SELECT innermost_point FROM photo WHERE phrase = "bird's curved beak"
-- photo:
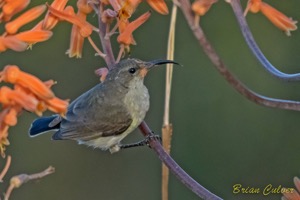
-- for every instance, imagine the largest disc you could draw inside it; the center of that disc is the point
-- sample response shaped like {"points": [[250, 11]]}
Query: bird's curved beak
{"points": [[150, 64], [153, 63]]}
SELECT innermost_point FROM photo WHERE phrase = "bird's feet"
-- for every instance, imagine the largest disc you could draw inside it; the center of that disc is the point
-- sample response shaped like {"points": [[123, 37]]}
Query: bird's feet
{"points": [[143, 142]]}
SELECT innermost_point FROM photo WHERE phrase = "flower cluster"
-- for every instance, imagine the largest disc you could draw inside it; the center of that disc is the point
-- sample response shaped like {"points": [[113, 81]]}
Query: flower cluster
{"points": [[81, 28], [12, 38], [115, 12], [29, 93], [112, 11], [279, 19]]}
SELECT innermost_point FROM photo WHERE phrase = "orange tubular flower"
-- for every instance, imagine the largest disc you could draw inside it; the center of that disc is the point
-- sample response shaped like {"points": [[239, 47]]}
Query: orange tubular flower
{"points": [[12, 74], [57, 105], [85, 28], [159, 6], [11, 117], [76, 43], [30, 15], [50, 21], [84, 7], [39, 105], [9, 97], [200, 7], [2, 44], [49, 83], [77, 40], [11, 8], [125, 36], [253, 6], [69, 10], [12, 43], [279, 19], [33, 36], [8, 117], [126, 8]]}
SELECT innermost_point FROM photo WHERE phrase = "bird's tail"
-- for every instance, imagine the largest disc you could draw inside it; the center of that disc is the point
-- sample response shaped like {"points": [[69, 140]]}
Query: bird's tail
{"points": [[42, 125]]}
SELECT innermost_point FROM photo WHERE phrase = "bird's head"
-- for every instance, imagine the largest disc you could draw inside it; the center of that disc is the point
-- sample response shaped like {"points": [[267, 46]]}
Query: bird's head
{"points": [[133, 69]]}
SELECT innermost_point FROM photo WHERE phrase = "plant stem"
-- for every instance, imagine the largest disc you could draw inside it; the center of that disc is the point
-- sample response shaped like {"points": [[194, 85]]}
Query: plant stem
{"points": [[5, 169], [169, 70], [188, 181], [167, 129], [106, 44], [17, 181], [223, 70], [236, 6]]}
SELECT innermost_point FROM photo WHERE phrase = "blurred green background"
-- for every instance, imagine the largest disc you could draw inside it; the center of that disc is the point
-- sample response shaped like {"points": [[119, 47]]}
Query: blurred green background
{"points": [[220, 138]]}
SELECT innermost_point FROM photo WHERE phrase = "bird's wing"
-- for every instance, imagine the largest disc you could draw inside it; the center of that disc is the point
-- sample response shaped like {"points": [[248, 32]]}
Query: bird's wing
{"points": [[94, 115]]}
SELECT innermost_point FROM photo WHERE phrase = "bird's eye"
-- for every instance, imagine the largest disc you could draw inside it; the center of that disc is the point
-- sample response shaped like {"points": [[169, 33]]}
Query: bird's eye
{"points": [[132, 70]]}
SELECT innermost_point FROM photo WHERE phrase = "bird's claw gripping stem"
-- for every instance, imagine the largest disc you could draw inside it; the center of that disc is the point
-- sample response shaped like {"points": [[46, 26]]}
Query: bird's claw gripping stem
{"points": [[143, 142]]}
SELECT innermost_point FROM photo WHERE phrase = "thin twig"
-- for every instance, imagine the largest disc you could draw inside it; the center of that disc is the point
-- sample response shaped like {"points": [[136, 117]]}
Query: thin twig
{"points": [[5, 169], [19, 180], [106, 45], [223, 70], [188, 181], [169, 70], [96, 48], [121, 52], [112, 31], [167, 129], [237, 9]]}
